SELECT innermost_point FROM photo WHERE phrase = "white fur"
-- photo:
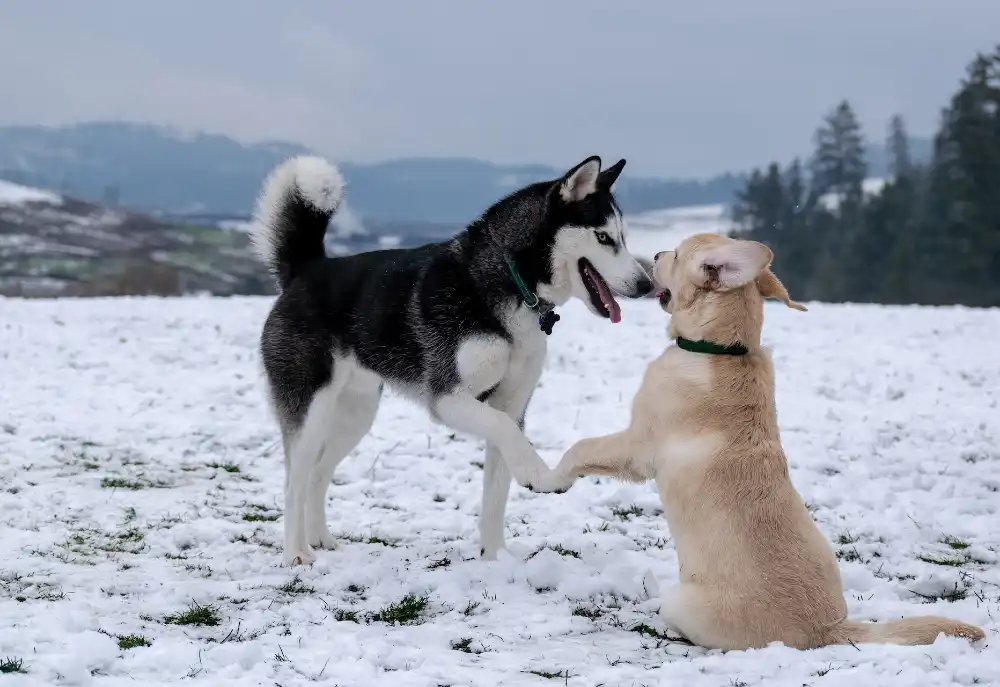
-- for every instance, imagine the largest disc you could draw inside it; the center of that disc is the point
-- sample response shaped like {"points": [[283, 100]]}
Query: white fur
{"points": [[481, 362], [513, 369], [340, 415], [314, 179], [620, 270], [581, 183]]}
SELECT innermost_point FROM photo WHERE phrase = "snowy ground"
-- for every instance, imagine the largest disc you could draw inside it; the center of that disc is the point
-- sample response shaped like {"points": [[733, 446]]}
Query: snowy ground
{"points": [[651, 232], [141, 480], [14, 194]]}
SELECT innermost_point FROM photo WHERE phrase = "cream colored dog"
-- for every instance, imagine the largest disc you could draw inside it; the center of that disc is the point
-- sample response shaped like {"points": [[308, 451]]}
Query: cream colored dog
{"points": [[754, 568]]}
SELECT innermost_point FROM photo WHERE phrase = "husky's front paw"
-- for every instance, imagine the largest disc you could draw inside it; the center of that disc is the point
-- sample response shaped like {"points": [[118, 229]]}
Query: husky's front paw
{"points": [[293, 558], [552, 482]]}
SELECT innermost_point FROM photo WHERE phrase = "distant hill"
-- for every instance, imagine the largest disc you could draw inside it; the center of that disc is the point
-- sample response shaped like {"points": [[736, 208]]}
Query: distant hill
{"points": [[53, 245], [160, 170]]}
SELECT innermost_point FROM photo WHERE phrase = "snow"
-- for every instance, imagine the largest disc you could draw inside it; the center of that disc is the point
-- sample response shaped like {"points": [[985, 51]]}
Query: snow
{"points": [[869, 187], [889, 417], [15, 194], [657, 230]]}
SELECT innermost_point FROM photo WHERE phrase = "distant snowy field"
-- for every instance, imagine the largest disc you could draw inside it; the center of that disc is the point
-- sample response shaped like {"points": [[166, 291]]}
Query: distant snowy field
{"points": [[651, 232], [142, 479]]}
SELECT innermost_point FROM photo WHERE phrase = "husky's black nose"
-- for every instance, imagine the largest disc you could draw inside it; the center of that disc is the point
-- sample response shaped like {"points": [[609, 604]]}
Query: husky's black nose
{"points": [[643, 287], [657, 256]]}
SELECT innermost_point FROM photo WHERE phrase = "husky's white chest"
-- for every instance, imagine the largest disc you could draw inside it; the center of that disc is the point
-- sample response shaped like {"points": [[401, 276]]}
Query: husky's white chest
{"points": [[527, 349]]}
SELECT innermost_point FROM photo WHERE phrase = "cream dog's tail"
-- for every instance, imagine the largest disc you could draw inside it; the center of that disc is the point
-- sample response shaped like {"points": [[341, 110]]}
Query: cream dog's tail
{"points": [[909, 631]]}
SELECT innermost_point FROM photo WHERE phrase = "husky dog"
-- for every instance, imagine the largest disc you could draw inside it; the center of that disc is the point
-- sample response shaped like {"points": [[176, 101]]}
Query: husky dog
{"points": [[458, 326]]}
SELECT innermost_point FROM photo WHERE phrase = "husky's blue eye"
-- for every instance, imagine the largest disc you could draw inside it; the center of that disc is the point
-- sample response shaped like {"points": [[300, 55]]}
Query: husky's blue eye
{"points": [[603, 238]]}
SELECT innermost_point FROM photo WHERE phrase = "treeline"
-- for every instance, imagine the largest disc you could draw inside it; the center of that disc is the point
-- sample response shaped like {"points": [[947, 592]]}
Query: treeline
{"points": [[929, 235]]}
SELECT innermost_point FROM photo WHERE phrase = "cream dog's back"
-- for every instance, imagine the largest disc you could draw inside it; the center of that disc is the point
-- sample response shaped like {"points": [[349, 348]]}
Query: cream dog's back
{"points": [[754, 568]]}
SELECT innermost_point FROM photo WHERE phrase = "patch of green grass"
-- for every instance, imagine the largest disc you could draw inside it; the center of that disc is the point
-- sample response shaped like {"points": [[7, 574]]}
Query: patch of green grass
{"points": [[647, 631], [121, 483], [957, 593], [296, 586], [254, 538], [356, 589], [563, 551], [465, 645], [625, 513], [391, 543], [850, 556], [439, 563], [31, 589], [955, 543], [129, 641], [947, 561], [374, 539], [238, 634], [549, 675], [10, 665], [406, 611], [261, 517], [196, 614], [228, 467], [346, 616], [470, 608], [558, 548], [846, 538], [126, 541], [592, 613]]}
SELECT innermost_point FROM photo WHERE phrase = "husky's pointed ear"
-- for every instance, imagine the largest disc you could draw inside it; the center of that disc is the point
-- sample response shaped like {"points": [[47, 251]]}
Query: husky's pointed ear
{"points": [[771, 287], [581, 181], [608, 177], [731, 264]]}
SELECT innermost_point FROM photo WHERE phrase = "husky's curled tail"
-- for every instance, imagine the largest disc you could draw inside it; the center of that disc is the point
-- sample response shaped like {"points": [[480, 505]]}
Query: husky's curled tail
{"points": [[294, 208]]}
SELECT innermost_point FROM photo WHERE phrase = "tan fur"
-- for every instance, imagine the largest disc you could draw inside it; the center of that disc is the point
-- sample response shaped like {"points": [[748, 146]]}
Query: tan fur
{"points": [[754, 568]]}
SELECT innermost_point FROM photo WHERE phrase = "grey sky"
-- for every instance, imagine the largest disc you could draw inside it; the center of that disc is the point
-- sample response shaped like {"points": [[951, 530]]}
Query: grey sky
{"points": [[681, 89]]}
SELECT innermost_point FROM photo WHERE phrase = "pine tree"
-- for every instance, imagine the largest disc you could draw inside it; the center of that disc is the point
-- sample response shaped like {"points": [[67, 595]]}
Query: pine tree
{"points": [[898, 146], [962, 229], [838, 165]]}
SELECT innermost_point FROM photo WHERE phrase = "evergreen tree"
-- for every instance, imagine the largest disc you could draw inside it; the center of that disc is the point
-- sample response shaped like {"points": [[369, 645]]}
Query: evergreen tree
{"points": [[931, 235], [898, 145], [963, 223], [838, 165]]}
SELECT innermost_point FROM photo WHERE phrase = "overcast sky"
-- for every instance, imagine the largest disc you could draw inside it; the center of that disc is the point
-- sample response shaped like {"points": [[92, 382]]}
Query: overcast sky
{"points": [[680, 89]]}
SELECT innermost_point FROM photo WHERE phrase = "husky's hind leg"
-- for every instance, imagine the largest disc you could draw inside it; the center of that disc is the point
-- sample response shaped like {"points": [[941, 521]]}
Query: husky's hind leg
{"points": [[304, 446], [351, 420]]}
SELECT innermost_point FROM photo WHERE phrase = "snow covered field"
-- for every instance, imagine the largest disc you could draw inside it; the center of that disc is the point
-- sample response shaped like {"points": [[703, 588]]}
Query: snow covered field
{"points": [[651, 232], [141, 508]]}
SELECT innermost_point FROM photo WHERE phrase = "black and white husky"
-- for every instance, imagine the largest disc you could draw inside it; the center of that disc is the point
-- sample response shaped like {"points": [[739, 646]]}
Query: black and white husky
{"points": [[458, 326]]}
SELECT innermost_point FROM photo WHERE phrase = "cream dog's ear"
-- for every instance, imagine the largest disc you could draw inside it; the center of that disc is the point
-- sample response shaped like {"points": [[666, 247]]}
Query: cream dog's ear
{"points": [[730, 265], [771, 287]]}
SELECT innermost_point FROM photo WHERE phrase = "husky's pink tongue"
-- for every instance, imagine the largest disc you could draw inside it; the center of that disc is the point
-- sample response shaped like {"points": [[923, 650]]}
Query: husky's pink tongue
{"points": [[608, 300]]}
